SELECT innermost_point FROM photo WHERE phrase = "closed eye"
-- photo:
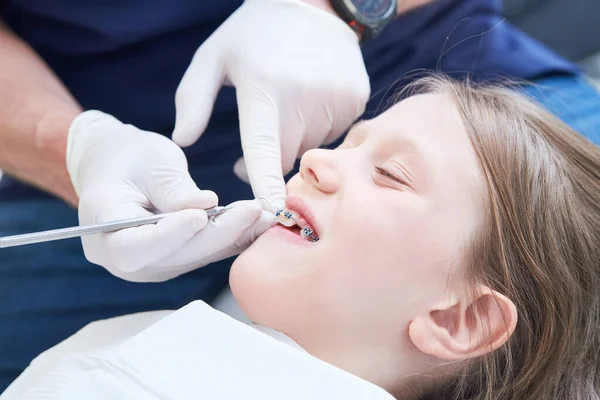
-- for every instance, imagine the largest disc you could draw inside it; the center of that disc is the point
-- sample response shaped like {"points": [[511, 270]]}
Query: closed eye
{"points": [[388, 174]]}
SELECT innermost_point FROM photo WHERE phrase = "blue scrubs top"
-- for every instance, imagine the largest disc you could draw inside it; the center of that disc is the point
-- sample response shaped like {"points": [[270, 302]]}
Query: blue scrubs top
{"points": [[126, 58]]}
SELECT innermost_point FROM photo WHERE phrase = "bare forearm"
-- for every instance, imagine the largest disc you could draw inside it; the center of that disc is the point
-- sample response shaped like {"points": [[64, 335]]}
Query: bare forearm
{"points": [[35, 113]]}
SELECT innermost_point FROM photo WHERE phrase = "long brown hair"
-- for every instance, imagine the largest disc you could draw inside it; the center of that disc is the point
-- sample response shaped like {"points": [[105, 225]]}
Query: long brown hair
{"points": [[539, 245]]}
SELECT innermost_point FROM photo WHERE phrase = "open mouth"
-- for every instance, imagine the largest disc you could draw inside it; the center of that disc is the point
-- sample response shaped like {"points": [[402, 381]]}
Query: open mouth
{"points": [[295, 222]]}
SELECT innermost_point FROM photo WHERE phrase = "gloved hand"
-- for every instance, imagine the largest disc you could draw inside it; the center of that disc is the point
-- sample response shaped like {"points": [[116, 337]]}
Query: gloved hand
{"points": [[118, 172], [300, 81]]}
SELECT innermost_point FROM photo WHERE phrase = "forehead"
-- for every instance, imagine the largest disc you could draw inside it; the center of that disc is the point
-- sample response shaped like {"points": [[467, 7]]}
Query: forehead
{"points": [[428, 121], [430, 126]]}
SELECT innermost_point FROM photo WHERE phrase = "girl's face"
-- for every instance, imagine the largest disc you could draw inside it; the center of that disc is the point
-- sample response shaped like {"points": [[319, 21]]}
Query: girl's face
{"points": [[394, 207]]}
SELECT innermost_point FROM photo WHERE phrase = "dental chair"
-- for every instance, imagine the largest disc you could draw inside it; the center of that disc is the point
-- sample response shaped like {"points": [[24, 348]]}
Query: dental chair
{"points": [[552, 22]]}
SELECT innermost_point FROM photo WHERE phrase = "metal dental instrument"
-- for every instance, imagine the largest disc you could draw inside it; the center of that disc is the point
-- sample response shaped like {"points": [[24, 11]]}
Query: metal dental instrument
{"points": [[268, 203], [76, 231]]}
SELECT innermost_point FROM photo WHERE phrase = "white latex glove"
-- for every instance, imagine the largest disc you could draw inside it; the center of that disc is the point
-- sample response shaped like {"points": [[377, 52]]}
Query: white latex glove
{"points": [[300, 81], [119, 172]]}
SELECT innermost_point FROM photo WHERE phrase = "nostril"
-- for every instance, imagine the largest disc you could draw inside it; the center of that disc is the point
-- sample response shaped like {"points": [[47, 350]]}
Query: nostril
{"points": [[313, 176]]}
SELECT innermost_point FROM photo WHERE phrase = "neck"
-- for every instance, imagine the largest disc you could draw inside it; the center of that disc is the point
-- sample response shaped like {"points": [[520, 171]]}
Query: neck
{"points": [[382, 361], [275, 334]]}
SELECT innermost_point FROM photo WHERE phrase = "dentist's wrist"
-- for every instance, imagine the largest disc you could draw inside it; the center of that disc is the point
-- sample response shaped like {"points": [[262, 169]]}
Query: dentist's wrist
{"points": [[322, 4], [326, 5], [50, 142]]}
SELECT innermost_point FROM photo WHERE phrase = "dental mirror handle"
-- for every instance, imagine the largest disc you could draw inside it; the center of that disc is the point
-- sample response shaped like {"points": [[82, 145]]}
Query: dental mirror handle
{"points": [[77, 231]]}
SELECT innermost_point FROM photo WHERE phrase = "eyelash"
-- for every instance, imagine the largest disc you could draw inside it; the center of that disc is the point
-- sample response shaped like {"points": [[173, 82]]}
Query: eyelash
{"points": [[388, 174], [380, 170]]}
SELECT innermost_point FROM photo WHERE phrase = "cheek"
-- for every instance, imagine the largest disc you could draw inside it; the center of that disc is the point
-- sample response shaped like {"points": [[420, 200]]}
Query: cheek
{"points": [[383, 254]]}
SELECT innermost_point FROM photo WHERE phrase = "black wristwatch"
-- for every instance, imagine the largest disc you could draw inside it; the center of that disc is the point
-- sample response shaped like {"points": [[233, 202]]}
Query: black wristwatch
{"points": [[366, 17]]}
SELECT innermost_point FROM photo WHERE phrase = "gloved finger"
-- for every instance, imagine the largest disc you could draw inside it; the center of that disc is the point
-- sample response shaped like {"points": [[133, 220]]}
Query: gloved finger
{"points": [[134, 248], [313, 141], [261, 145], [196, 95], [265, 221], [219, 234], [240, 170], [292, 135], [347, 114], [178, 191], [341, 125], [260, 226]]}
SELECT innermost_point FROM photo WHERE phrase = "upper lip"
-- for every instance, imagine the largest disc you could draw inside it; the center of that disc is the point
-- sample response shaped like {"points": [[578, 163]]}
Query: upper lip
{"points": [[305, 215]]}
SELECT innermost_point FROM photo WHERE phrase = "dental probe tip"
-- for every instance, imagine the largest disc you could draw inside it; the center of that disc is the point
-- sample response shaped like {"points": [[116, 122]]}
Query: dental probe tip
{"points": [[268, 203]]}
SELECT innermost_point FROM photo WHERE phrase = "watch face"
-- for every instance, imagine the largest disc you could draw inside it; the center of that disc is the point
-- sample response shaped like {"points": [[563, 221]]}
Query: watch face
{"points": [[374, 10]]}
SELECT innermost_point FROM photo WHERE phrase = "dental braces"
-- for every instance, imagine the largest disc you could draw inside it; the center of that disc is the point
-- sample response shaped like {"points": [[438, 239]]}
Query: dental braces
{"points": [[309, 234]]}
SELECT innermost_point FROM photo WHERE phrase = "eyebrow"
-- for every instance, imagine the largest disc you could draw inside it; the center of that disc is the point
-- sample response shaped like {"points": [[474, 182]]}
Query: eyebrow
{"points": [[410, 146], [417, 167], [407, 147]]}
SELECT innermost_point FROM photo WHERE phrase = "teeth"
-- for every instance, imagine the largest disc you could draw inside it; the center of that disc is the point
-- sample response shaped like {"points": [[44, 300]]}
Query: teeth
{"points": [[307, 234], [285, 218]]}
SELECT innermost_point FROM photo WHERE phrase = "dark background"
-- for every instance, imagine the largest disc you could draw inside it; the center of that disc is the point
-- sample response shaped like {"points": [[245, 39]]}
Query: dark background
{"points": [[570, 27]]}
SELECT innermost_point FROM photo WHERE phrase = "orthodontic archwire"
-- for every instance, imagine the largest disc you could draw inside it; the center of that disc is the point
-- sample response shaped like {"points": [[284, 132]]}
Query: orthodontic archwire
{"points": [[308, 232]]}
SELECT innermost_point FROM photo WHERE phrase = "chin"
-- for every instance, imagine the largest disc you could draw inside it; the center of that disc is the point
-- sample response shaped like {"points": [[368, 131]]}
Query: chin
{"points": [[241, 274], [266, 284], [247, 279], [252, 262]]}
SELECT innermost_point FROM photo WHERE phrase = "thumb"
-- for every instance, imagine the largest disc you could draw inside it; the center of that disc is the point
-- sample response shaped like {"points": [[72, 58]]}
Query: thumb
{"points": [[260, 226], [196, 95], [245, 237], [135, 248], [261, 145], [227, 234], [179, 192]]}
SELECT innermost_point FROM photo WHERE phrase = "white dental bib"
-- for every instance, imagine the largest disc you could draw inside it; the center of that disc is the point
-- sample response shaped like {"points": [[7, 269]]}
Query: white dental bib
{"points": [[200, 353]]}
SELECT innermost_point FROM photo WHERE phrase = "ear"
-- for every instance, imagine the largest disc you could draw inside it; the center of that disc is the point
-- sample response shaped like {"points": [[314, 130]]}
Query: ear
{"points": [[460, 329]]}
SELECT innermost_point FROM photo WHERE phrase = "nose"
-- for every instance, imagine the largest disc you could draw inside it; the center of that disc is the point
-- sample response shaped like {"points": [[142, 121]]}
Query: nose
{"points": [[318, 168]]}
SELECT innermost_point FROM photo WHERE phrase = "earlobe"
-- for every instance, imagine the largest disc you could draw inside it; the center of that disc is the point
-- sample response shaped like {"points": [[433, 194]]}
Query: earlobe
{"points": [[465, 329]]}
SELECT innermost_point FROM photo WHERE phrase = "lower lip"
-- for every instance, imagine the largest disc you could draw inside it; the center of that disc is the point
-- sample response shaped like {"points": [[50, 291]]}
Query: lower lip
{"points": [[289, 235]]}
